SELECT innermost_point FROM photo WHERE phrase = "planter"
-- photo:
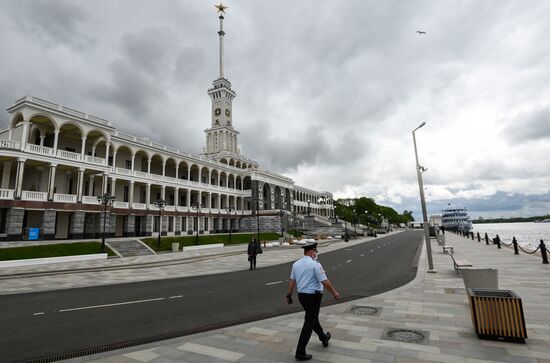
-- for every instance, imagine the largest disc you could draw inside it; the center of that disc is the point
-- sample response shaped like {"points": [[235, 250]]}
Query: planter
{"points": [[175, 247], [480, 278], [497, 315]]}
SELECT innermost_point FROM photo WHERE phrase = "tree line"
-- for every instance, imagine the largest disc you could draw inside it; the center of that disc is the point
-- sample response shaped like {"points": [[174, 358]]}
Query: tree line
{"points": [[366, 211], [511, 219]]}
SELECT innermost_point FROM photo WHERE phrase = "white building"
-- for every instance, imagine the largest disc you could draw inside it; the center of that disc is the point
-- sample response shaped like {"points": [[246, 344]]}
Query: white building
{"points": [[56, 161]]}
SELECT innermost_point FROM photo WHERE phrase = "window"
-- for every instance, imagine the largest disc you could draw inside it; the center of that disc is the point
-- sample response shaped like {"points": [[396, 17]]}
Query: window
{"points": [[156, 223], [170, 224], [126, 193], [128, 164]]}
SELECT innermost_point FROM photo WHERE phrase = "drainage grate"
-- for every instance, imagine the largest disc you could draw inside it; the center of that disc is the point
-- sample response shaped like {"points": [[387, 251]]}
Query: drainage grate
{"points": [[364, 310], [405, 335]]}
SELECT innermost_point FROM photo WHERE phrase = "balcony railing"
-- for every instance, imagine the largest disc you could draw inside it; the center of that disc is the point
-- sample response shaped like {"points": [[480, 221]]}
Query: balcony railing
{"points": [[95, 160], [120, 205], [170, 208], [90, 199], [9, 144], [6, 193], [123, 171], [65, 198], [68, 155], [39, 196], [141, 174], [37, 149], [139, 206]]}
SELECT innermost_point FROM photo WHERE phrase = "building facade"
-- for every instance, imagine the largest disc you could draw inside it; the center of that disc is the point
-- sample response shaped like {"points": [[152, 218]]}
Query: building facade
{"points": [[56, 161]]}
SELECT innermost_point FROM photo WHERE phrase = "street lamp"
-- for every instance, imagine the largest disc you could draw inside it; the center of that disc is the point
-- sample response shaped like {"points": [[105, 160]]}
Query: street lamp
{"points": [[258, 218], [282, 229], [105, 200], [419, 170], [160, 204], [353, 221], [294, 222], [229, 210], [308, 202], [346, 238], [198, 222]]}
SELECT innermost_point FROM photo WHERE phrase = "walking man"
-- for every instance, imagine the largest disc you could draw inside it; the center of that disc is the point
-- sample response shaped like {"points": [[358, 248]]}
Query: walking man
{"points": [[309, 278]]}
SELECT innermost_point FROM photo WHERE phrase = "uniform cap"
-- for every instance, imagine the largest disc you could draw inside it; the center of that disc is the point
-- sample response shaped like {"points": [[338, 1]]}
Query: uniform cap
{"points": [[310, 246]]}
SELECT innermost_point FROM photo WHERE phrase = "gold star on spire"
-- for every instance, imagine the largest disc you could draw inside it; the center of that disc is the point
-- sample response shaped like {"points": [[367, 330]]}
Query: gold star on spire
{"points": [[221, 8]]}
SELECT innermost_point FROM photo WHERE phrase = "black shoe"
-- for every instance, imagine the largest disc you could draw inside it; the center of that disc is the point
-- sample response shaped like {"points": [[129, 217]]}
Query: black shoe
{"points": [[327, 338], [303, 357]]}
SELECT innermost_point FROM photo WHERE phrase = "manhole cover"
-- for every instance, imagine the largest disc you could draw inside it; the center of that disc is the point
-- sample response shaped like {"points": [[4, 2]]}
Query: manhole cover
{"points": [[405, 335], [365, 310]]}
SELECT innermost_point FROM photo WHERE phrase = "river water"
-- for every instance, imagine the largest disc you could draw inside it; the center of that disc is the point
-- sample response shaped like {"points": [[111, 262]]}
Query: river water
{"points": [[527, 234]]}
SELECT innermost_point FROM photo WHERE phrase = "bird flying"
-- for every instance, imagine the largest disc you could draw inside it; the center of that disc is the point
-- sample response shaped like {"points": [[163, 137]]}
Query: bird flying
{"points": [[421, 32]]}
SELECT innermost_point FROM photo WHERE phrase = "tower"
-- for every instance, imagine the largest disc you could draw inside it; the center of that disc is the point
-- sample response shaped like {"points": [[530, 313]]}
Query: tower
{"points": [[221, 136]]}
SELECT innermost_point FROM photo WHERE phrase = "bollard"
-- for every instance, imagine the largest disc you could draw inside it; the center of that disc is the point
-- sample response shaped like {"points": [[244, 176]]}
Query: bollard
{"points": [[543, 252], [497, 240], [472, 233], [478, 237], [515, 242], [486, 239]]}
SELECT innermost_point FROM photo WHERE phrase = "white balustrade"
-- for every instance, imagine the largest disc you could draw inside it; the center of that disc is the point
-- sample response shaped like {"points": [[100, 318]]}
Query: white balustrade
{"points": [[68, 155], [141, 174], [120, 205], [95, 160], [6, 193], [170, 179], [123, 171], [37, 149], [139, 206], [182, 208], [170, 208], [9, 144], [39, 196], [89, 199], [65, 198]]}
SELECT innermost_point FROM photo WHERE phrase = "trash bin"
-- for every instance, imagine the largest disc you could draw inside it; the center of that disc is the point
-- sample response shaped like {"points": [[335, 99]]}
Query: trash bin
{"points": [[441, 240], [480, 278], [497, 315], [175, 247]]}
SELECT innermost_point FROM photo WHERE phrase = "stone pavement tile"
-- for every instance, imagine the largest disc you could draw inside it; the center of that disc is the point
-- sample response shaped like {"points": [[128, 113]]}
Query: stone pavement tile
{"points": [[142, 355], [211, 351], [397, 352]]}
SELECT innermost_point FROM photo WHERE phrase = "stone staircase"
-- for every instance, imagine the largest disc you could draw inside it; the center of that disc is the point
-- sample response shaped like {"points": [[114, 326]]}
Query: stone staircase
{"points": [[129, 248]]}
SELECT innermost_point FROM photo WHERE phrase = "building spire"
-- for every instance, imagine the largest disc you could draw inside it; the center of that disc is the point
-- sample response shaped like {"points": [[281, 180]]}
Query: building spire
{"points": [[221, 9]]}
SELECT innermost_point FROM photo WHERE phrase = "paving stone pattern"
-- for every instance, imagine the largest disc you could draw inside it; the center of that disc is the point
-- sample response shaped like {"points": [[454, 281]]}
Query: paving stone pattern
{"points": [[130, 248]]}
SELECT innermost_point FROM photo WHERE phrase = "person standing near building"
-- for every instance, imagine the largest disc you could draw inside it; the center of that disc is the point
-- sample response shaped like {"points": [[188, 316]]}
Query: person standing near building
{"points": [[309, 278], [253, 247]]}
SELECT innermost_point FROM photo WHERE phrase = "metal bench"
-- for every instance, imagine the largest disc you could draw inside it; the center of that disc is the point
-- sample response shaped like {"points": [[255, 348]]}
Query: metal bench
{"points": [[459, 264], [448, 249]]}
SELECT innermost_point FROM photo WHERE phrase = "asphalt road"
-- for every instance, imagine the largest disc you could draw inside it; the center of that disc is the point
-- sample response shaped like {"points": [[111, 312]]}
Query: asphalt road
{"points": [[55, 322]]}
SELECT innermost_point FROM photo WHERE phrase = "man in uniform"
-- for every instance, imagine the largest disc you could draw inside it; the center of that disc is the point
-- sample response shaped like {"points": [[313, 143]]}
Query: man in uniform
{"points": [[309, 278]]}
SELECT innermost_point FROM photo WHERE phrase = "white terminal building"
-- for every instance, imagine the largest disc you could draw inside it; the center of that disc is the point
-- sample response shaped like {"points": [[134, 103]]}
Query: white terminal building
{"points": [[56, 161]]}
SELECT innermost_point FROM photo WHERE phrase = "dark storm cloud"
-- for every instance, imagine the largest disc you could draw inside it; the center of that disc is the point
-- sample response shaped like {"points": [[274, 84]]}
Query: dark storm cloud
{"points": [[530, 125], [56, 22]]}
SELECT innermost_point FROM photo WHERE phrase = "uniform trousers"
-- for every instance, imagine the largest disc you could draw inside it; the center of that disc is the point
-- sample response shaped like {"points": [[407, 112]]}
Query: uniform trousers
{"points": [[311, 304]]}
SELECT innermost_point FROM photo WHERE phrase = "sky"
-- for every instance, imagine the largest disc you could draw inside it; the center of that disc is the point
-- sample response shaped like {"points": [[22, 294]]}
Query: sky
{"points": [[328, 92]]}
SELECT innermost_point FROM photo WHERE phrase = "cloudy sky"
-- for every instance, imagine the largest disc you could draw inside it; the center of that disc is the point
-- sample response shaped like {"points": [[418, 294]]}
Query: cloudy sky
{"points": [[328, 91]]}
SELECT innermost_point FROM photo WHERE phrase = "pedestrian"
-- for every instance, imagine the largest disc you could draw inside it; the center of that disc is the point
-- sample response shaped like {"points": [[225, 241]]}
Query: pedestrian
{"points": [[253, 247], [309, 278]]}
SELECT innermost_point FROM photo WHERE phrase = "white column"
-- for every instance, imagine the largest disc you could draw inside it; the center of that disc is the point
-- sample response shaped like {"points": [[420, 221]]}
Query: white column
{"points": [[91, 185], [176, 197], [163, 192], [107, 146], [131, 194], [188, 197], [133, 159], [113, 187], [148, 166], [208, 200], [19, 178], [51, 181], [148, 196], [6, 174], [163, 169], [79, 185], [114, 159], [104, 183], [25, 134], [55, 141], [42, 137], [83, 147]]}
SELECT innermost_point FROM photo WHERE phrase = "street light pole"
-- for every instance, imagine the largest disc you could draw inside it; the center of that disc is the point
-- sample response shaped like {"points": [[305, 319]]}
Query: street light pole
{"points": [[160, 204], [308, 202], [198, 223], [419, 170], [353, 221], [105, 200], [229, 209], [258, 218]]}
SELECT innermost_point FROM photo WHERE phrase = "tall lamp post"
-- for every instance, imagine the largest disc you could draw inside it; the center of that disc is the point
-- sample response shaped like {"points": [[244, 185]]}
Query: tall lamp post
{"points": [[258, 218], [419, 171], [308, 202], [354, 223], [346, 238], [160, 204], [198, 222], [229, 210], [106, 200]]}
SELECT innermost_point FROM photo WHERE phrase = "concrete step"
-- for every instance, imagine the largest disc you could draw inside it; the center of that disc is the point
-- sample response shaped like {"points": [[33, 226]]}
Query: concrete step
{"points": [[130, 248]]}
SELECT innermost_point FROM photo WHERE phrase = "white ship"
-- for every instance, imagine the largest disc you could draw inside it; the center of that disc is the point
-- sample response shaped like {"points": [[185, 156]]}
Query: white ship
{"points": [[456, 218]]}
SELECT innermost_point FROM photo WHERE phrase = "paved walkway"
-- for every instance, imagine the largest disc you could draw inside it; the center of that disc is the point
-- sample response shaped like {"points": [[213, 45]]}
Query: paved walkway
{"points": [[435, 304]]}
